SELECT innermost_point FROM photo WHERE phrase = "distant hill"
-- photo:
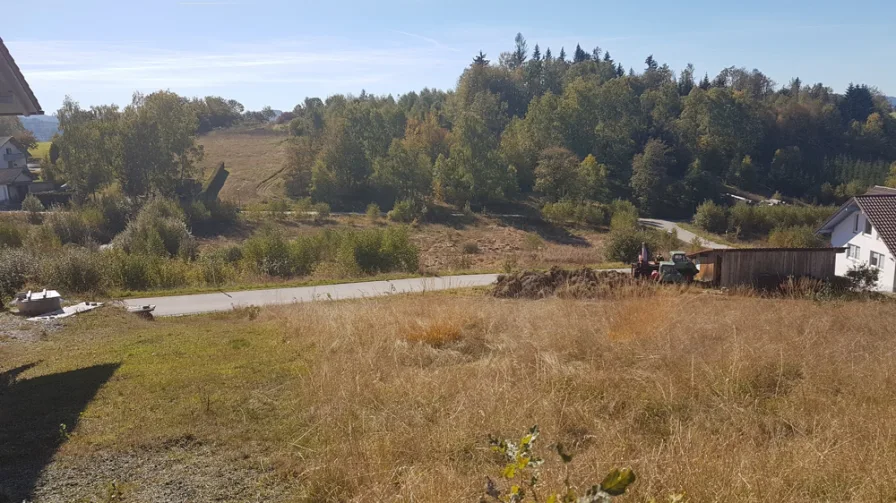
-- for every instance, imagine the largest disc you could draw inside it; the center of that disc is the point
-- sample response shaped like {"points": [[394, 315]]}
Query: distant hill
{"points": [[43, 126], [892, 100]]}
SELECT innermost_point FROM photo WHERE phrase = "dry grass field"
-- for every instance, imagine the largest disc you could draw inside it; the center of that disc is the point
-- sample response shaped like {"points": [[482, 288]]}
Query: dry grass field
{"points": [[254, 158], [478, 243], [722, 398]]}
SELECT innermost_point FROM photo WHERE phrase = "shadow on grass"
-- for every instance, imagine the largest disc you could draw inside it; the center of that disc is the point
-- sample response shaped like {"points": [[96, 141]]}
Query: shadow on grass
{"points": [[545, 230], [32, 412]]}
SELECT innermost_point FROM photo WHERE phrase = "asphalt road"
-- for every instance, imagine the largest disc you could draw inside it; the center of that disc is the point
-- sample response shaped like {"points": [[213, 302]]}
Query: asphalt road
{"points": [[180, 305], [684, 235]]}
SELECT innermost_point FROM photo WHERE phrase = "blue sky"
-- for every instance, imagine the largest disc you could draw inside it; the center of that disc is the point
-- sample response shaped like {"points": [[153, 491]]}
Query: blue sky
{"points": [[277, 52]]}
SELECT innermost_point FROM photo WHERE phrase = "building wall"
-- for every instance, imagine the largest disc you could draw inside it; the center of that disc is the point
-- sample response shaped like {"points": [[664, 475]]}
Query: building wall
{"points": [[21, 163], [747, 267], [4, 194], [844, 235]]}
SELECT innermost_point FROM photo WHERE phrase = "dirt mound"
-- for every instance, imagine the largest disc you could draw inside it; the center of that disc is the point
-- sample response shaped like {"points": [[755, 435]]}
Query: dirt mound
{"points": [[579, 283]]}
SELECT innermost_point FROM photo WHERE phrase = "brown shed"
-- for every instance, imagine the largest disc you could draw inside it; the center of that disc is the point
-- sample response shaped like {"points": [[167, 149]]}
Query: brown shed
{"points": [[760, 267]]}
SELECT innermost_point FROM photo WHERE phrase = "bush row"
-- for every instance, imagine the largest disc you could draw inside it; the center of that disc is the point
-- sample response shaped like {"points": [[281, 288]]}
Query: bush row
{"points": [[78, 269], [747, 221], [586, 213]]}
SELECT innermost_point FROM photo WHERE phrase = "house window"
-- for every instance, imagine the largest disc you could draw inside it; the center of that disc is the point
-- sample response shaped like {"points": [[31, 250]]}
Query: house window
{"points": [[867, 227], [855, 226], [877, 260], [853, 252], [9, 151]]}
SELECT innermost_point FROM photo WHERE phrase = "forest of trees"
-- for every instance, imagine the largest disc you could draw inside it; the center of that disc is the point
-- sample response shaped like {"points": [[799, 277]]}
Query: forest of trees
{"points": [[533, 123], [586, 129]]}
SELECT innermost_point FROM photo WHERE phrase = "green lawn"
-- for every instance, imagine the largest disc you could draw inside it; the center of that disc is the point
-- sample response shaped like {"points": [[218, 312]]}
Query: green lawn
{"points": [[41, 150]]}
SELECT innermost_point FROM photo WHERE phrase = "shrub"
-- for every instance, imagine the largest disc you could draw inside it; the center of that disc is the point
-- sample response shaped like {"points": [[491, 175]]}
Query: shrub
{"points": [[279, 208], [305, 252], [322, 210], [795, 237], [74, 269], [42, 239], [373, 212], [16, 268], [32, 205], [620, 206], [268, 253], [171, 273], [623, 244], [470, 248], [569, 212], [399, 252], [159, 229], [405, 211], [743, 219], [223, 213], [116, 211], [862, 277], [758, 221], [209, 217], [532, 242], [711, 217], [625, 221], [214, 270], [11, 235], [372, 251], [130, 272], [70, 227], [228, 254]]}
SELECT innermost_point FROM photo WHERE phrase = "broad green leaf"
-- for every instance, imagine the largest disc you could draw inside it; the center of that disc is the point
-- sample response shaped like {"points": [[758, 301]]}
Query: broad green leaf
{"points": [[617, 481]]}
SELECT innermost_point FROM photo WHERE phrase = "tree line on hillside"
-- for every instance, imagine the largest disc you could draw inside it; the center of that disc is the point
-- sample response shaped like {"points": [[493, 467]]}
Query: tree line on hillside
{"points": [[585, 129], [572, 129]]}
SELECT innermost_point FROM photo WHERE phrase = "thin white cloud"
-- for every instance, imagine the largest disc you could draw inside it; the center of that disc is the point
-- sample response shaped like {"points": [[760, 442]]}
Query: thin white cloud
{"points": [[140, 66], [432, 41]]}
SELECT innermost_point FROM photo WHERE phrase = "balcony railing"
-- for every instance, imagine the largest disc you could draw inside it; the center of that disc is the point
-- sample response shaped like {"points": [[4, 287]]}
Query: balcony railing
{"points": [[13, 157]]}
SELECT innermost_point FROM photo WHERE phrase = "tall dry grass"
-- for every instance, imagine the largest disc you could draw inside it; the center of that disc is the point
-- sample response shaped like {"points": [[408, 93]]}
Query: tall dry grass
{"points": [[727, 400], [722, 398]]}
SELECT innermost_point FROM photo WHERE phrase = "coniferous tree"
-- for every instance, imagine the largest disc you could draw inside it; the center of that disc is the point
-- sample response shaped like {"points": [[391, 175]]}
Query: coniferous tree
{"points": [[536, 54], [562, 56], [520, 51], [480, 60], [705, 84], [579, 55], [857, 103]]}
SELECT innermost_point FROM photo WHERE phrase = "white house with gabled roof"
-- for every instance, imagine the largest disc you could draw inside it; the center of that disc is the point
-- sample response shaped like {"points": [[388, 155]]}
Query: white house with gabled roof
{"points": [[866, 226]]}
